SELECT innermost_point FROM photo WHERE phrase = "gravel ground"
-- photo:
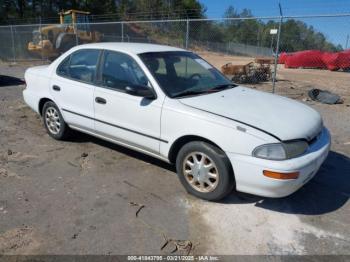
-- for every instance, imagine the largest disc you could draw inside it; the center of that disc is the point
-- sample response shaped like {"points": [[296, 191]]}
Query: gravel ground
{"points": [[87, 196]]}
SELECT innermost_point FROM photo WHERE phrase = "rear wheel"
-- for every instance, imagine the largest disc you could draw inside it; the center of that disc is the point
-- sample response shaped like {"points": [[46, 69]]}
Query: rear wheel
{"points": [[204, 170], [54, 123]]}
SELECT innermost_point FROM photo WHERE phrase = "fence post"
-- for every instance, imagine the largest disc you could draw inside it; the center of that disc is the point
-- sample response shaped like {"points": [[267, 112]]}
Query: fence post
{"points": [[13, 44], [277, 51], [276, 56], [41, 39], [122, 25], [76, 38], [76, 34], [187, 33]]}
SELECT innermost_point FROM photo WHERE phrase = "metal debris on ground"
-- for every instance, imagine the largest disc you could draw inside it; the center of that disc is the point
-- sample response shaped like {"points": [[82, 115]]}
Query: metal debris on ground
{"points": [[3, 172], [324, 97], [84, 154], [253, 72], [84, 163], [178, 245]]}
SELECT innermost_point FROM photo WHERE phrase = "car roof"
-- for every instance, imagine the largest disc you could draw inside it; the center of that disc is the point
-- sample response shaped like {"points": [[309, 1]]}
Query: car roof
{"points": [[133, 48]]}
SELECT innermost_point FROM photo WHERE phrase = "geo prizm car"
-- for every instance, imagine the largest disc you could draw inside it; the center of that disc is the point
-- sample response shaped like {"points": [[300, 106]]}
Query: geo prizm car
{"points": [[173, 105]]}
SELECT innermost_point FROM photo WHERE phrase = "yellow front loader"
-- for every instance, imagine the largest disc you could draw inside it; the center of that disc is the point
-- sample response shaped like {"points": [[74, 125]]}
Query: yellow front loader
{"points": [[74, 28]]}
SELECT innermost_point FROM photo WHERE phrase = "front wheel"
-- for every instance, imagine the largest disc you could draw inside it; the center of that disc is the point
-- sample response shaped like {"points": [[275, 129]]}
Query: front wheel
{"points": [[205, 171]]}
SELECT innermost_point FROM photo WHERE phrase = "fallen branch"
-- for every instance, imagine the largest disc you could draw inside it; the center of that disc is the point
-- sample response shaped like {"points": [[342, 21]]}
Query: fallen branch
{"points": [[139, 209]]}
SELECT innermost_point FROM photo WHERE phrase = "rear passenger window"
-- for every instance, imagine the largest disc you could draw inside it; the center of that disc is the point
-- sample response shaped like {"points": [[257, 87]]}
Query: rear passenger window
{"points": [[80, 66]]}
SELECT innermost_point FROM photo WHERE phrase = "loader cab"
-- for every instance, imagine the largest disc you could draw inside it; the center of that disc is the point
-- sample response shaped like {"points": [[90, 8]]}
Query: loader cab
{"points": [[78, 20]]}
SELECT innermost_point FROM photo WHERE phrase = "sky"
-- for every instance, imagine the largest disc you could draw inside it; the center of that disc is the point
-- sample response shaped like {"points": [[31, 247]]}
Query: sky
{"points": [[335, 29]]}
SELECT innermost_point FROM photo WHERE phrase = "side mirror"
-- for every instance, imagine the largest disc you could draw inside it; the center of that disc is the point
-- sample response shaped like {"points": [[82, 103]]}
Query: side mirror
{"points": [[140, 90]]}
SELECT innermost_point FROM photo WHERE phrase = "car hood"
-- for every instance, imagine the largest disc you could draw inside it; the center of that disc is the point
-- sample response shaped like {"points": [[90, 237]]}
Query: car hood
{"points": [[281, 117]]}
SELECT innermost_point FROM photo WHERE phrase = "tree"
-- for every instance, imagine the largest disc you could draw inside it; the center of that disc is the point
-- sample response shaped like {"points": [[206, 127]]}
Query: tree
{"points": [[121, 9], [295, 35]]}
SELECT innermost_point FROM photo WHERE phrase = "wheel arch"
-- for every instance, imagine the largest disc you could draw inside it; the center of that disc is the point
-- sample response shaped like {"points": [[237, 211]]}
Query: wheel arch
{"points": [[42, 102], [181, 141]]}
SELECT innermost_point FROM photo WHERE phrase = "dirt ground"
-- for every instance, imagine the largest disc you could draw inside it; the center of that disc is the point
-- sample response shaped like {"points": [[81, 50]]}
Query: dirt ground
{"points": [[87, 196]]}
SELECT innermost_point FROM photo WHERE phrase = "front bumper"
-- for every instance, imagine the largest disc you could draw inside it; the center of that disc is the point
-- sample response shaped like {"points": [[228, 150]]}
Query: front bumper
{"points": [[249, 176], [44, 48]]}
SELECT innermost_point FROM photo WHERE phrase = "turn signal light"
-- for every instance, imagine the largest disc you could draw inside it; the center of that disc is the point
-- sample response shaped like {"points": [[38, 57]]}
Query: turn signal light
{"points": [[278, 175]]}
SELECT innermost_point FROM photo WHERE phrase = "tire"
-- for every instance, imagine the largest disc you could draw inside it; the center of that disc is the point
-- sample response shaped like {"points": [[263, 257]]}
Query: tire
{"points": [[64, 42], [67, 45], [52, 58], [201, 182], [54, 123]]}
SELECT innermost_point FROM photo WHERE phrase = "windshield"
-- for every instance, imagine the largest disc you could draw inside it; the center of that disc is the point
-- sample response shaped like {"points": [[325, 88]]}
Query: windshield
{"points": [[67, 19], [184, 73]]}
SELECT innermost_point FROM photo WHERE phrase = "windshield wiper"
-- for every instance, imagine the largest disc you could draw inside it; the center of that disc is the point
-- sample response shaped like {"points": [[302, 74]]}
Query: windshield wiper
{"points": [[222, 87], [214, 89], [189, 93]]}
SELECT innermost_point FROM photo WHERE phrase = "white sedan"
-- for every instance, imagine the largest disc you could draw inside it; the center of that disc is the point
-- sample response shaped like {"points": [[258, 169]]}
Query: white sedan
{"points": [[171, 104]]}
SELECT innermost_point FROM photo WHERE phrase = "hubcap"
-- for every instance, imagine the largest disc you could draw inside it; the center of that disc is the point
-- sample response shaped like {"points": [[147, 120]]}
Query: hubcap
{"points": [[52, 120], [200, 172]]}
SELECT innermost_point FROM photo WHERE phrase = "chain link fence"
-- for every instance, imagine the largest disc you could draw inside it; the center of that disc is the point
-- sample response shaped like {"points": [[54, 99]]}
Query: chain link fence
{"points": [[252, 50]]}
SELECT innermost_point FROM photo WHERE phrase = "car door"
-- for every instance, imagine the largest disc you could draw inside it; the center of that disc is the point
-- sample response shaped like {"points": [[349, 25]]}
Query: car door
{"points": [[127, 118], [72, 87]]}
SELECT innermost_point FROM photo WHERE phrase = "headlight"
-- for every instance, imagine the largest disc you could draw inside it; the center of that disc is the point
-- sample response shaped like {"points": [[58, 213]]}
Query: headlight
{"points": [[281, 151]]}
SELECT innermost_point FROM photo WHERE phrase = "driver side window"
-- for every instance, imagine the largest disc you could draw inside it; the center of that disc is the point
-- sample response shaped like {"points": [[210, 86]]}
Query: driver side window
{"points": [[120, 70]]}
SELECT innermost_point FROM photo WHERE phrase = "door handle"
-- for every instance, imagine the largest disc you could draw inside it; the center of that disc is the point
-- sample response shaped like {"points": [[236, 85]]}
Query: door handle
{"points": [[100, 100], [56, 88]]}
